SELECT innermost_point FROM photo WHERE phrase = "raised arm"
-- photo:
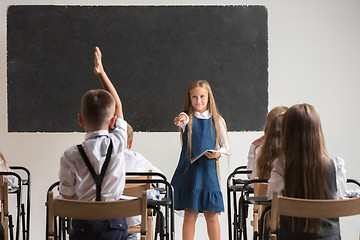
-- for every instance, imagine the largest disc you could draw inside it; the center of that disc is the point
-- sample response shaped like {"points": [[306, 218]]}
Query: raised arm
{"points": [[106, 83]]}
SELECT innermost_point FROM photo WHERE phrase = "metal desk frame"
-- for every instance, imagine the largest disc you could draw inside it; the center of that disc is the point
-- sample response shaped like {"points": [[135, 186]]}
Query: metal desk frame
{"points": [[20, 210]]}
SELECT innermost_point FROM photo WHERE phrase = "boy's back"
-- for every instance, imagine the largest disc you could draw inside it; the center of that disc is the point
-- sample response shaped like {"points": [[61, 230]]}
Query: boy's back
{"points": [[75, 178]]}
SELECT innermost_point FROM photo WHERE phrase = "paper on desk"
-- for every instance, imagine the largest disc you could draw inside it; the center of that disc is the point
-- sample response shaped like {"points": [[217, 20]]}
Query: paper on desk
{"points": [[124, 197]]}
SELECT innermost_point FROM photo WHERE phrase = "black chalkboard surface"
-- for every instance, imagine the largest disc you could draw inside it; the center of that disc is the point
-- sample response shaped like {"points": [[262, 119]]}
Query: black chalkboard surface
{"points": [[151, 53]]}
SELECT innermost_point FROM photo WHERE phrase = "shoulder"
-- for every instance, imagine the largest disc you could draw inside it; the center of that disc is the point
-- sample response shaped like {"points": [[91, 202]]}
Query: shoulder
{"points": [[133, 155], [70, 152], [339, 163], [222, 120]]}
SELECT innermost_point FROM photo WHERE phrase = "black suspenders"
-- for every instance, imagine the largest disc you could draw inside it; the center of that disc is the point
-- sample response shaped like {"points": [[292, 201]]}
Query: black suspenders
{"points": [[97, 178]]}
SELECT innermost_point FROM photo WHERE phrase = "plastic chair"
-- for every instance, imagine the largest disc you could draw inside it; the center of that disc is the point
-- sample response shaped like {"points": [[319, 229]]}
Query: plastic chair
{"points": [[309, 208], [99, 210]]}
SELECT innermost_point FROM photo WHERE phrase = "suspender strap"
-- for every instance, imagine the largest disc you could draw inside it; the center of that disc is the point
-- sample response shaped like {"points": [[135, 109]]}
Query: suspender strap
{"points": [[97, 178]]}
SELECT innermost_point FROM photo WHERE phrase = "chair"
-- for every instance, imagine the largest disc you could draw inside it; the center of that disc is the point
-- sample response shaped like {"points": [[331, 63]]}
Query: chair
{"points": [[163, 228], [100, 210], [309, 208], [260, 190], [135, 190], [20, 212], [235, 184], [24, 174], [4, 206], [246, 198]]}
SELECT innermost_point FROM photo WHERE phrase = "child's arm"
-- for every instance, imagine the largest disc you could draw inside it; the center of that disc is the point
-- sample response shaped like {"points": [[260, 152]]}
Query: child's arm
{"points": [[182, 118], [106, 83]]}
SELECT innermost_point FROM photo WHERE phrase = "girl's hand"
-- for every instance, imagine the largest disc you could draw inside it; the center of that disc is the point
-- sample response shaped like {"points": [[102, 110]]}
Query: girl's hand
{"points": [[180, 119], [211, 155], [98, 67]]}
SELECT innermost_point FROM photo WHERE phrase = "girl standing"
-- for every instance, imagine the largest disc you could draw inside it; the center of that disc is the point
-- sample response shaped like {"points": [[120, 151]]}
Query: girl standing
{"points": [[196, 185], [305, 171]]}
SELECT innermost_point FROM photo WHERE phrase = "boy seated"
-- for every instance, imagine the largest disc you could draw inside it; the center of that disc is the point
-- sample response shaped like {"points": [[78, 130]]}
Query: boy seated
{"points": [[101, 154], [135, 162]]}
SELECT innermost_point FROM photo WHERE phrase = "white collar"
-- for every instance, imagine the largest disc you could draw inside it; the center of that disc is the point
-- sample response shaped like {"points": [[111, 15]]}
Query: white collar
{"points": [[204, 115], [96, 134]]}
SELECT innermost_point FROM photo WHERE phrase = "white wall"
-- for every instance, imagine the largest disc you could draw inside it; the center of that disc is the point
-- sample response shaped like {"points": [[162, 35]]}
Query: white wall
{"points": [[314, 57]]}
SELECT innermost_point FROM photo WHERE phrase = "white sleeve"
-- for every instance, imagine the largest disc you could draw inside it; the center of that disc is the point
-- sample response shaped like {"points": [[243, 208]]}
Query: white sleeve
{"points": [[224, 146], [250, 156], [182, 125], [67, 175], [146, 164], [119, 134], [254, 173], [340, 177], [276, 181]]}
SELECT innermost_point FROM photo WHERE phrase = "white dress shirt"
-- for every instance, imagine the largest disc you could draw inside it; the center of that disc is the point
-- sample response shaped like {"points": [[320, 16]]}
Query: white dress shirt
{"points": [[75, 178], [135, 162], [276, 181]]}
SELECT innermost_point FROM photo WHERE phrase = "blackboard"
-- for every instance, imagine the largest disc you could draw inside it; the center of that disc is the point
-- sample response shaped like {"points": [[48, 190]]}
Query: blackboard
{"points": [[151, 53]]}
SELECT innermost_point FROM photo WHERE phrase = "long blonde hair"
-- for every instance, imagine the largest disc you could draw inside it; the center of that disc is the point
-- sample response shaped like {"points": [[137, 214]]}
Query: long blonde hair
{"points": [[211, 106], [306, 159], [270, 149], [276, 111]]}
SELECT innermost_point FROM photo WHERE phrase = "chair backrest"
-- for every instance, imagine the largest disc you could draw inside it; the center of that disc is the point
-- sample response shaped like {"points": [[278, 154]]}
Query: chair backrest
{"points": [[4, 205], [260, 189], [99, 210], [135, 189], [140, 177], [308, 208]]}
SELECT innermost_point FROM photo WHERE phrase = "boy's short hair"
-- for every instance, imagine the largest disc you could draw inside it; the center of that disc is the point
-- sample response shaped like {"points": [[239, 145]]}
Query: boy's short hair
{"points": [[130, 133], [97, 107]]}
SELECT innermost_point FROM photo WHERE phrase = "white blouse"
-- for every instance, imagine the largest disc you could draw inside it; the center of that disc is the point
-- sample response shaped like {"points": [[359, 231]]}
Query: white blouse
{"points": [[224, 146], [276, 181]]}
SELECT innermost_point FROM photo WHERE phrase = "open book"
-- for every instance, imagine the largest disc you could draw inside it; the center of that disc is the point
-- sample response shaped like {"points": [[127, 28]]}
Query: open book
{"points": [[209, 150]]}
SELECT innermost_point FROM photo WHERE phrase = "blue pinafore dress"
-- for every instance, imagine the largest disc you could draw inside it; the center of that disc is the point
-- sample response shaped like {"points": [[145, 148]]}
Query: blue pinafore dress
{"points": [[196, 185]]}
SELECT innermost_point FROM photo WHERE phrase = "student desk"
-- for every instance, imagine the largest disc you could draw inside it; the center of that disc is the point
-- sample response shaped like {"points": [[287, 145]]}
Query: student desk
{"points": [[235, 184], [166, 204]]}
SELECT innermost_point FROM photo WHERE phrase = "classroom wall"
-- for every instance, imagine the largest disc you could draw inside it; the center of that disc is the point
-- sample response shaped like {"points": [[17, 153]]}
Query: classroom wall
{"points": [[313, 57]]}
